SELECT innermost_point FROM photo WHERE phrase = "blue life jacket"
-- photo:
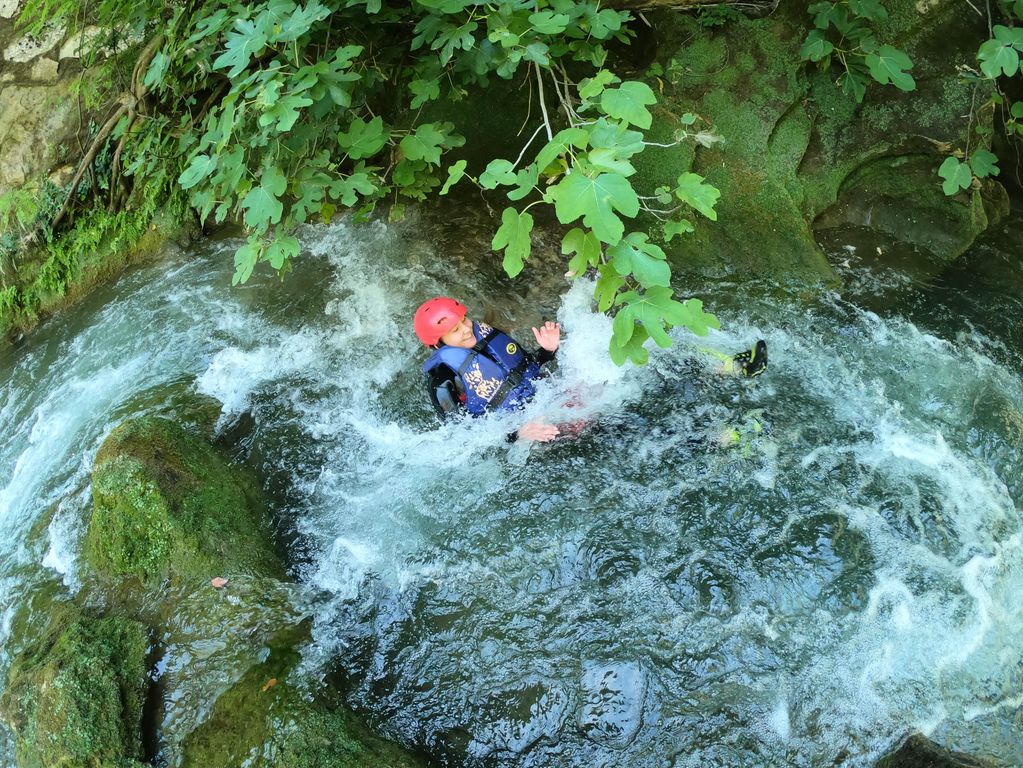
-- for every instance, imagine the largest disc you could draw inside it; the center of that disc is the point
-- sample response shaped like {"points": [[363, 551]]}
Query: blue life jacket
{"points": [[495, 374]]}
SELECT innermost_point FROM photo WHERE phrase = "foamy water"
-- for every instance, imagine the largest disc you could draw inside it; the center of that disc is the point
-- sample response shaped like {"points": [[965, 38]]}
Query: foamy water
{"points": [[639, 596]]}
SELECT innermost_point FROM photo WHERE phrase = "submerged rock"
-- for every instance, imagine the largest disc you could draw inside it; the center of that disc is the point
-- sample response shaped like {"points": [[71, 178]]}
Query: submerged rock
{"points": [[208, 640], [166, 505], [170, 512], [268, 720], [920, 752], [612, 708], [75, 698]]}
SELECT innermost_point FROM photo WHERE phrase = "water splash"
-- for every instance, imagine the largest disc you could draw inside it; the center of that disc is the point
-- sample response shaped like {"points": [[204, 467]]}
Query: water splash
{"points": [[635, 596]]}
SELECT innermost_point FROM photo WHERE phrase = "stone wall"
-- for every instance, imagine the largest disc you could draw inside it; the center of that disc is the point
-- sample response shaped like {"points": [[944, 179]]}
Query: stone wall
{"points": [[799, 158], [55, 90], [38, 111]]}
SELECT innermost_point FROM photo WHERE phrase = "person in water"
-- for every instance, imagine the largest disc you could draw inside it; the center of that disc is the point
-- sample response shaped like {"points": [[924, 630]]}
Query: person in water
{"points": [[478, 369]]}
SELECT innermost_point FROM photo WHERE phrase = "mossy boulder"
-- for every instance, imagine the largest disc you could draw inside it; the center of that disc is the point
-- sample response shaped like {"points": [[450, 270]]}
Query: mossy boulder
{"points": [[797, 155], [268, 720], [745, 80], [177, 401], [167, 505], [888, 153], [920, 752], [75, 699]]}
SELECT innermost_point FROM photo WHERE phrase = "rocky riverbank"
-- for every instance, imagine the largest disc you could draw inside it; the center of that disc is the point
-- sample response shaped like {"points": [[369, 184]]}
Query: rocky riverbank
{"points": [[185, 640]]}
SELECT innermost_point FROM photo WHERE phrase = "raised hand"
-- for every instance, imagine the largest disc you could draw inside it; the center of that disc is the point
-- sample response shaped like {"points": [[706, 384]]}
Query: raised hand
{"points": [[548, 336]]}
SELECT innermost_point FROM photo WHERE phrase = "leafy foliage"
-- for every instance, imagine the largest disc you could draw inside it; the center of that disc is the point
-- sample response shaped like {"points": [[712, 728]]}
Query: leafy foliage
{"points": [[998, 58], [585, 172], [513, 238], [716, 15], [843, 38], [276, 112], [1000, 54], [956, 175]]}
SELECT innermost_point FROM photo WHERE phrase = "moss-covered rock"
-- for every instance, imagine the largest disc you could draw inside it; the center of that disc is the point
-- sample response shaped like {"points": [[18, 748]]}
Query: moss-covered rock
{"points": [[176, 400], [75, 699], [798, 156], [267, 721], [98, 247], [898, 196], [920, 752], [744, 81], [165, 504], [889, 153], [170, 512]]}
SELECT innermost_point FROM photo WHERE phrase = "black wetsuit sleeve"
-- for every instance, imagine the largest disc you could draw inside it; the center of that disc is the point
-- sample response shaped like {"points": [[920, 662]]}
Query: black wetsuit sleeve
{"points": [[444, 396], [540, 357], [442, 383], [543, 356]]}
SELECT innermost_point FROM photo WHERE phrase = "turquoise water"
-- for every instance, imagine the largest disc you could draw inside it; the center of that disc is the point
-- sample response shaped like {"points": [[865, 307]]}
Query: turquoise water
{"points": [[638, 596]]}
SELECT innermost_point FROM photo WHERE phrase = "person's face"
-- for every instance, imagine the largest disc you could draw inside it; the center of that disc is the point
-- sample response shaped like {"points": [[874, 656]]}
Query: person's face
{"points": [[461, 335]]}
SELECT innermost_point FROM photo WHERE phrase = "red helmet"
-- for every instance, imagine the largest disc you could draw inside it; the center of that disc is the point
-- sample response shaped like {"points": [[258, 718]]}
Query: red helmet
{"points": [[436, 317]]}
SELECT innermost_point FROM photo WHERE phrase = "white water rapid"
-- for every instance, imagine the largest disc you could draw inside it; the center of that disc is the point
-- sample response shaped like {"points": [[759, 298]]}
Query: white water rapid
{"points": [[849, 570]]}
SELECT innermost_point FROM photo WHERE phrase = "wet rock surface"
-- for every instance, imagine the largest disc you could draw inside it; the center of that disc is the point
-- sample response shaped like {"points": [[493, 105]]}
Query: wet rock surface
{"points": [[920, 752], [193, 658], [32, 116], [797, 156], [75, 697], [166, 505]]}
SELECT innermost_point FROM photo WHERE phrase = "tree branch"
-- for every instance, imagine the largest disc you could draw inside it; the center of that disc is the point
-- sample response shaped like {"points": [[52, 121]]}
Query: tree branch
{"points": [[566, 105], [116, 181], [142, 64], [523, 152]]}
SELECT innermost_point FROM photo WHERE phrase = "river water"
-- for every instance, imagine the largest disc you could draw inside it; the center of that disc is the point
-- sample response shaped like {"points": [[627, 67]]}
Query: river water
{"points": [[848, 568]]}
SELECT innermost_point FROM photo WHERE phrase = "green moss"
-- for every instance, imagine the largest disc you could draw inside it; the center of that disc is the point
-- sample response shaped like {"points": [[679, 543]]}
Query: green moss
{"points": [[901, 195], [176, 400], [491, 132], [75, 698], [796, 149], [936, 41], [741, 79], [165, 504], [795, 146], [267, 721], [702, 61], [786, 148], [98, 246]]}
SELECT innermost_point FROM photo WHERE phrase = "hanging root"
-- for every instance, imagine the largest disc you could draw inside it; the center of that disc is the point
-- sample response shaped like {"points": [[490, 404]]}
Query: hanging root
{"points": [[90, 155], [129, 104]]}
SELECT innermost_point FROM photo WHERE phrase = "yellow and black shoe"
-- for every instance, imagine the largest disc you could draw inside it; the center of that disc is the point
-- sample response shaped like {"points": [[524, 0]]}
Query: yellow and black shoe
{"points": [[752, 362]]}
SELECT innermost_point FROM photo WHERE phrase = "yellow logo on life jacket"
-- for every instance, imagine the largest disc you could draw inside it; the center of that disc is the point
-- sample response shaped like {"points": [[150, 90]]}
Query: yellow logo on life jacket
{"points": [[511, 349]]}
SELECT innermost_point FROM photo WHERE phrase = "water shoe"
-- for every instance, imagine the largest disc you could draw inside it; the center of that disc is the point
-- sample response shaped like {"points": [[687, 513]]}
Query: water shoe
{"points": [[752, 362]]}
